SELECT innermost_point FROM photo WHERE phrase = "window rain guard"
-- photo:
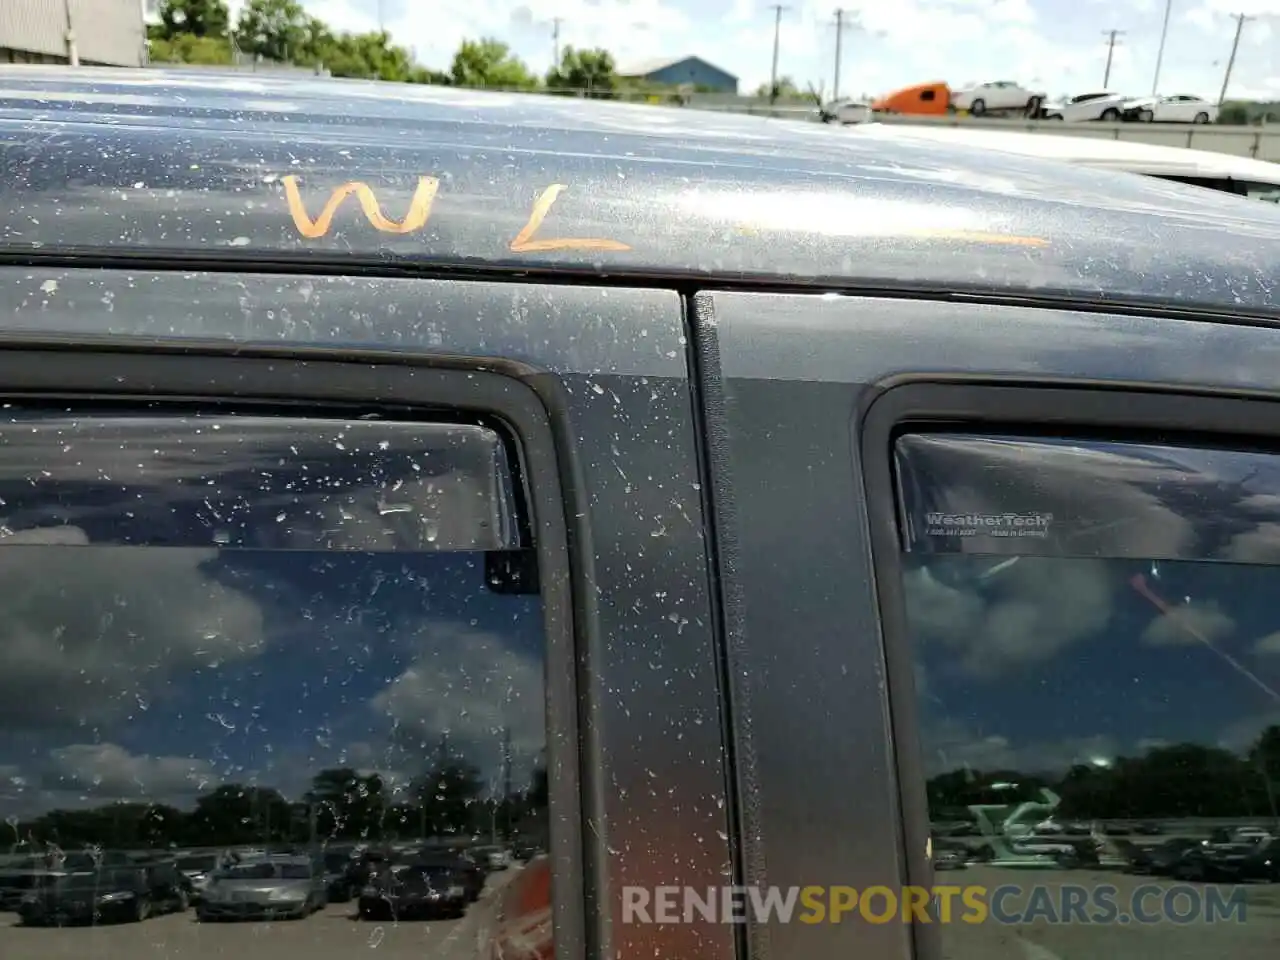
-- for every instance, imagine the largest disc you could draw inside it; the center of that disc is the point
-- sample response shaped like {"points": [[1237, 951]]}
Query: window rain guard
{"points": [[87, 477], [1030, 496]]}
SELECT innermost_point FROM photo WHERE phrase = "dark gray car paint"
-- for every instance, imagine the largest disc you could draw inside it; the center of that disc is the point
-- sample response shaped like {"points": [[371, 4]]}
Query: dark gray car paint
{"points": [[611, 365], [147, 163], [788, 375]]}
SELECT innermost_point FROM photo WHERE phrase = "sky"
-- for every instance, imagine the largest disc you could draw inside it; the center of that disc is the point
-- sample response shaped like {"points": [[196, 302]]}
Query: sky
{"points": [[1038, 652], [1054, 45], [156, 672]]}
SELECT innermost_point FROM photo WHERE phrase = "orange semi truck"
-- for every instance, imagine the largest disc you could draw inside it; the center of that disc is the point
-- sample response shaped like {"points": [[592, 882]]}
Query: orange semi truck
{"points": [[922, 99]]}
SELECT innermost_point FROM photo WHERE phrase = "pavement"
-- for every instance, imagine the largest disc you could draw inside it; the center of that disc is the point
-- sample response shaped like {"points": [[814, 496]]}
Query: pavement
{"points": [[1256, 937], [336, 934], [332, 934]]}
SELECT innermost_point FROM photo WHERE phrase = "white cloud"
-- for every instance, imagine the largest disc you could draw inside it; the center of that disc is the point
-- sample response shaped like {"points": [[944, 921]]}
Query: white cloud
{"points": [[953, 745], [1188, 625], [92, 634], [1241, 736], [83, 775], [108, 771], [1268, 645], [469, 684]]}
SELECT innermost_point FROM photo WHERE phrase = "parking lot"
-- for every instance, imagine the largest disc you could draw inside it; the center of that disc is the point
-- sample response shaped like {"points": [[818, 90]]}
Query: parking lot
{"points": [[333, 934]]}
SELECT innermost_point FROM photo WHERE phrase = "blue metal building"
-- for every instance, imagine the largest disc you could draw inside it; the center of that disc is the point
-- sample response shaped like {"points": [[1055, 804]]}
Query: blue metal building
{"points": [[684, 70]]}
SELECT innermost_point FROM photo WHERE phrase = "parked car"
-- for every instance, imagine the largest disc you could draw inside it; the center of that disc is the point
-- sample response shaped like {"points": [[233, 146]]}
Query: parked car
{"points": [[106, 895], [197, 868], [998, 95], [1178, 108], [414, 891], [471, 872], [266, 887], [1105, 105], [1158, 859], [845, 112]]}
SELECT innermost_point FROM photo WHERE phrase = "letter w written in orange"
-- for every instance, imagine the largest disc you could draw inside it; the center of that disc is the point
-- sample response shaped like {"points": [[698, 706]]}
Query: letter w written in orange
{"points": [[419, 207]]}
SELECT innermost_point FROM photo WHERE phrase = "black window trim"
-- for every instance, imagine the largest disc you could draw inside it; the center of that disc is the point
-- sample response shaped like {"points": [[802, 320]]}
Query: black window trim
{"points": [[1000, 404], [527, 404]]}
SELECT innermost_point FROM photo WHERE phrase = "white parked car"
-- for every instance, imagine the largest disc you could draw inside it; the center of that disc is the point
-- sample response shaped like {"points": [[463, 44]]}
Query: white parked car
{"points": [[1179, 108], [997, 95], [846, 111], [1102, 105]]}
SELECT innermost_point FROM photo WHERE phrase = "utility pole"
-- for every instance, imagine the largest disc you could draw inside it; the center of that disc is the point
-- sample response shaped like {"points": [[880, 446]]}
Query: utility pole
{"points": [[382, 27], [1164, 33], [777, 32], [73, 53], [555, 41], [1111, 49], [1231, 61], [841, 26]]}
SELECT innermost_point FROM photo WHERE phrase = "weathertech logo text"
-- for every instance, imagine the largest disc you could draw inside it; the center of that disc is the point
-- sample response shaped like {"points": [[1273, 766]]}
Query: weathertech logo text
{"points": [[988, 524]]}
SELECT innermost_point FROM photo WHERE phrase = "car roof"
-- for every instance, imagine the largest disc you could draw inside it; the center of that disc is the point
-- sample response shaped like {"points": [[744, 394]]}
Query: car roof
{"points": [[1121, 155], [153, 166]]}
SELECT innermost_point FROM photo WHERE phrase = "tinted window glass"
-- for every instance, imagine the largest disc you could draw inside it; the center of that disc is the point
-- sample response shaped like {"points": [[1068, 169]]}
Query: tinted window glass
{"points": [[248, 636], [249, 871], [1263, 191], [1097, 671]]}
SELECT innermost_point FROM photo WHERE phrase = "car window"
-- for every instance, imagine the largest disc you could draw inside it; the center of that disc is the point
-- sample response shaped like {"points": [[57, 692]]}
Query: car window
{"points": [[264, 632], [1257, 191], [1263, 191], [1096, 656], [248, 871]]}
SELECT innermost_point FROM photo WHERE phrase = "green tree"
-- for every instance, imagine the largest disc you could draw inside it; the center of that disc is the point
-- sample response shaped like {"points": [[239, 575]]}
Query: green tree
{"points": [[784, 89], [1234, 112], [199, 18], [350, 804], [593, 71], [371, 56], [273, 29], [490, 63], [315, 41], [189, 48], [447, 797], [234, 813]]}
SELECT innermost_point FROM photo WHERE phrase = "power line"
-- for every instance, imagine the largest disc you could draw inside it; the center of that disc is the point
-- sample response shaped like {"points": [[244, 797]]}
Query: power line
{"points": [[1111, 49], [841, 26], [1164, 33], [1231, 61], [777, 33]]}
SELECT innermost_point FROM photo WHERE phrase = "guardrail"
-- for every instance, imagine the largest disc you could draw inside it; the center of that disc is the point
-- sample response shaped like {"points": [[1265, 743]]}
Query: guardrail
{"points": [[1260, 143]]}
